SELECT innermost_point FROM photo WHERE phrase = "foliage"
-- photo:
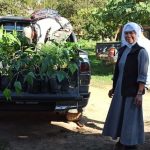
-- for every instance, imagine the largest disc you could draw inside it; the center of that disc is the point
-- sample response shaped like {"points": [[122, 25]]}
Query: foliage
{"points": [[58, 57], [10, 7], [53, 60], [9, 43], [79, 12], [87, 44], [123, 11], [97, 20], [94, 26], [20, 66], [81, 16]]}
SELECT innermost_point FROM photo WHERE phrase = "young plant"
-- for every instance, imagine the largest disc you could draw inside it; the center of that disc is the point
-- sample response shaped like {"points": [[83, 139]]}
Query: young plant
{"points": [[9, 43]]}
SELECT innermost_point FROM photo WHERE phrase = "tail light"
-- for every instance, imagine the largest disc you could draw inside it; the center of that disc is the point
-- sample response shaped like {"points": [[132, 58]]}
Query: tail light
{"points": [[84, 67]]}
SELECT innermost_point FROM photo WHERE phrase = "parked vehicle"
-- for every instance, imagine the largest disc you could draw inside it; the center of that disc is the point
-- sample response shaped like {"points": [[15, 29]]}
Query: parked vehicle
{"points": [[11, 23], [74, 98], [107, 51]]}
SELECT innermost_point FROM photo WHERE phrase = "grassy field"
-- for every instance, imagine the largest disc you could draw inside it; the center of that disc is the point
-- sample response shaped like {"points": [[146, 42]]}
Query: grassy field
{"points": [[101, 81], [101, 72]]}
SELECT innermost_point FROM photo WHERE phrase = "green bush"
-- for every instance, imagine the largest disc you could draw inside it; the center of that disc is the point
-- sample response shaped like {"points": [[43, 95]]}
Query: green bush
{"points": [[87, 44]]}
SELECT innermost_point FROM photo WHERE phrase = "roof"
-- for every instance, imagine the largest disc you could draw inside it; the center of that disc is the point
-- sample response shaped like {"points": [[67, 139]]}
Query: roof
{"points": [[14, 18]]}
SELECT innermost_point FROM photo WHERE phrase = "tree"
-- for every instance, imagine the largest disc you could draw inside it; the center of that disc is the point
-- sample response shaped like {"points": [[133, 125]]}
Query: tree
{"points": [[80, 13], [119, 12], [13, 7]]}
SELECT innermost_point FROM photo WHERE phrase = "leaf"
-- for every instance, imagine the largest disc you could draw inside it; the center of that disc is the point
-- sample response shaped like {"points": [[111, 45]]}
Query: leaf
{"points": [[29, 78], [72, 67], [60, 75], [17, 65], [36, 57], [128, 10], [44, 66], [29, 51], [7, 94], [18, 87]]}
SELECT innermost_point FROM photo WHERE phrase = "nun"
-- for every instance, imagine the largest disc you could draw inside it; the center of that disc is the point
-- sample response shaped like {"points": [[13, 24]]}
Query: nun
{"points": [[124, 121]]}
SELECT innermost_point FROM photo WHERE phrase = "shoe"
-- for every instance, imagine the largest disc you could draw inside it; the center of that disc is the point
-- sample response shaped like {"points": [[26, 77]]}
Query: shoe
{"points": [[118, 146]]}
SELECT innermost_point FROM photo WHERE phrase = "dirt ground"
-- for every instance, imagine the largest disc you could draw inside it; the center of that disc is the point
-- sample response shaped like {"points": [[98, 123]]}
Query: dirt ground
{"points": [[34, 131]]}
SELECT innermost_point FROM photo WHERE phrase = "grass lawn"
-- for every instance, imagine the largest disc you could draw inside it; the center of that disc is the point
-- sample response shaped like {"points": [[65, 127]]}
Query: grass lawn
{"points": [[101, 73], [101, 81]]}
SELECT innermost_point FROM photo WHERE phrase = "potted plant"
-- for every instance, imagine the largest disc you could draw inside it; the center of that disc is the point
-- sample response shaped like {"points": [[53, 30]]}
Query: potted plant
{"points": [[15, 57], [46, 70], [59, 63], [9, 43]]}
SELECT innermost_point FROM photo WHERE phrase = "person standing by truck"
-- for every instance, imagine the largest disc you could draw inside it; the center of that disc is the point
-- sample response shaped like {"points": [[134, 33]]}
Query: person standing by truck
{"points": [[125, 116], [47, 25]]}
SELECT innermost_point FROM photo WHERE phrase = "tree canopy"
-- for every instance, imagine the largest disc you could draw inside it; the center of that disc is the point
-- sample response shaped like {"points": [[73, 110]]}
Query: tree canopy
{"points": [[92, 19], [119, 12]]}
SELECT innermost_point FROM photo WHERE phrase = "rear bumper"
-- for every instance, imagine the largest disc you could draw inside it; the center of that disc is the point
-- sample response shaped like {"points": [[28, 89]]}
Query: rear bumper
{"points": [[43, 102], [27, 97]]}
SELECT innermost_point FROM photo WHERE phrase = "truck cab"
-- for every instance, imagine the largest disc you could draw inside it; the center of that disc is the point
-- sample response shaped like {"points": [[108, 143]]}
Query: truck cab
{"points": [[11, 23]]}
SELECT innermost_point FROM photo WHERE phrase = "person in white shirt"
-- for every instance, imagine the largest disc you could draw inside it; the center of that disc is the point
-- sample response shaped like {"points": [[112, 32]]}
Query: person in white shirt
{"points": [[48, 29]]}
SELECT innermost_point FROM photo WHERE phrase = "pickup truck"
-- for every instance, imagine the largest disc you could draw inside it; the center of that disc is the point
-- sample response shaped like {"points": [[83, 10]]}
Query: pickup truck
{"points": [[76, 98]]}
